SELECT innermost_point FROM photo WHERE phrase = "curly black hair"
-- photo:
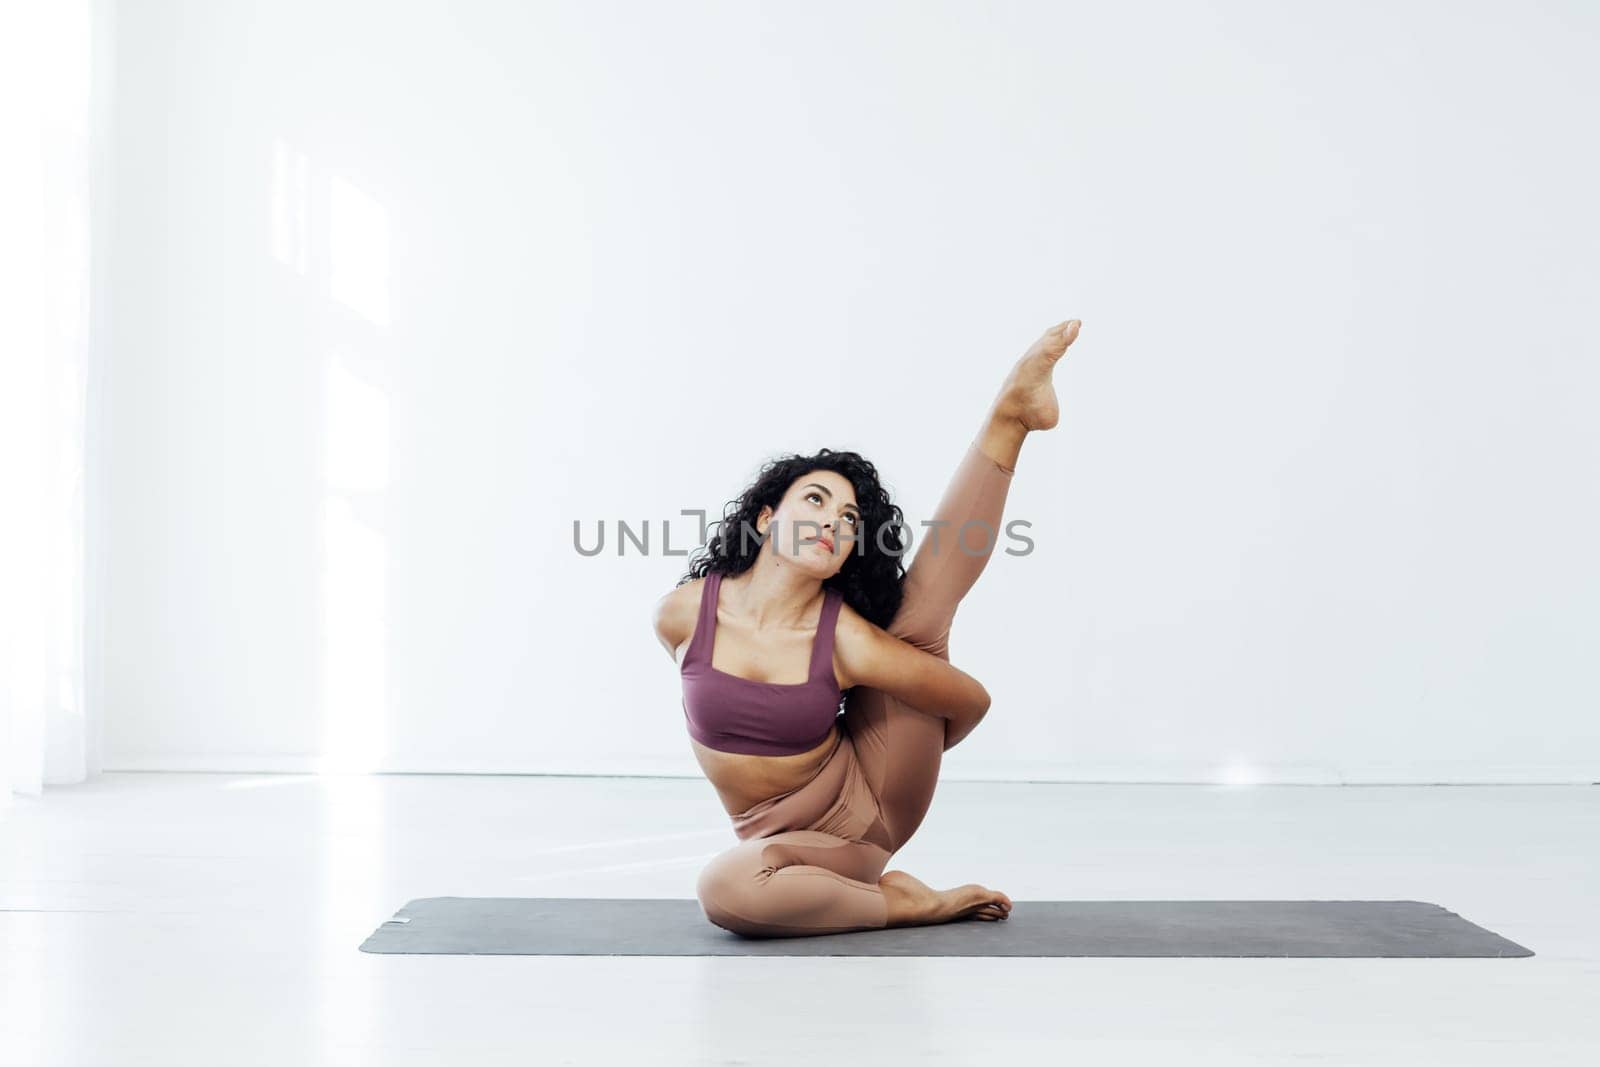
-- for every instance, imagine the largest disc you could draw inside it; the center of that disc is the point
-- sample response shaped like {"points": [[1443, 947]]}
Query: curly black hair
{"points": [[872, 576]]}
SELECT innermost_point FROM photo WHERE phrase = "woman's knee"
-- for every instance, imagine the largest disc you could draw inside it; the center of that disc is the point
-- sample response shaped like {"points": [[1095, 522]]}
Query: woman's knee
{"points": [[924, 629], [726, 890]]}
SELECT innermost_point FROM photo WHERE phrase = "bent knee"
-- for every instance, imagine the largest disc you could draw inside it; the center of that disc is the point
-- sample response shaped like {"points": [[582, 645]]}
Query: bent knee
{"points": [[923, 629], [726, 891]]}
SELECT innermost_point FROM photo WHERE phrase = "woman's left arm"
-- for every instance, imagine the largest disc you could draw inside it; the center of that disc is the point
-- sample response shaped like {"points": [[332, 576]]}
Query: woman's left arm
{"points": [[867, 654]]}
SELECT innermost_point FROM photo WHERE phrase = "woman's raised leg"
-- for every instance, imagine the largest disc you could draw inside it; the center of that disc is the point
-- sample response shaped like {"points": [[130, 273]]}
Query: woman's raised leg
{"points": [[899, 747]]}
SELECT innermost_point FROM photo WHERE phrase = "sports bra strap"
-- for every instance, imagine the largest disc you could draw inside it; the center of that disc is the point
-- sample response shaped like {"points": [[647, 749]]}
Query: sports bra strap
{"points": [[827, 622], [706, 621]]}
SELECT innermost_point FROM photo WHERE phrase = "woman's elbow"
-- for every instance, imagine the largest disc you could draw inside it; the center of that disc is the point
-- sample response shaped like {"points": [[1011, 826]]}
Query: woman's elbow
{"points": [[962, 723], [973, 700]]}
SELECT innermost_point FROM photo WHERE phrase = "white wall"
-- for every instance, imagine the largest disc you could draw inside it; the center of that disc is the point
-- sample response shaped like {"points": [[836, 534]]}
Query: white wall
{"points": [[400, 291]]}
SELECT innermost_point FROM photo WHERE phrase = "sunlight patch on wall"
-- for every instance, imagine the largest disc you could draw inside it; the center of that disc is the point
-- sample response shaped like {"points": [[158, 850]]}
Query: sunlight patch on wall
{"points": [[291, 197], [354, 580], [358, 252]]}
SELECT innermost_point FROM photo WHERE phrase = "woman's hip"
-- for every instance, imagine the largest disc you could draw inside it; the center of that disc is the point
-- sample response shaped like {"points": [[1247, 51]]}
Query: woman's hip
{"points": [[836, 800]]}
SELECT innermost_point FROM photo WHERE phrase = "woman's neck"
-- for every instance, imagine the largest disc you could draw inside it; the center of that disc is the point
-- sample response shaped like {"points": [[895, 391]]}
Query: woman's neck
{"points": [[772, 594]]}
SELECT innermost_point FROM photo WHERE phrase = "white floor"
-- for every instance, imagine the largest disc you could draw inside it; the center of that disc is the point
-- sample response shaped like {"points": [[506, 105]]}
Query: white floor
{"points": [[175, 919]]}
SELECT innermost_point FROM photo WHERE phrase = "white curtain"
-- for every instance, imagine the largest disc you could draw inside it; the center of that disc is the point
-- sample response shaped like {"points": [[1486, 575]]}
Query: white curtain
{"points": [[48, 55]]}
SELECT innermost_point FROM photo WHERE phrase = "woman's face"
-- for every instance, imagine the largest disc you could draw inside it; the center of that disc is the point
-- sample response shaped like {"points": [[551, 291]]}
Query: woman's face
{"points": [[816, 525]]}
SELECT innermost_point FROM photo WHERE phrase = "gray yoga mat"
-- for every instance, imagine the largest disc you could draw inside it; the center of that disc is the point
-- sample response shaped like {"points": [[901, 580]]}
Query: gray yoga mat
{"points": [[575, 926]]}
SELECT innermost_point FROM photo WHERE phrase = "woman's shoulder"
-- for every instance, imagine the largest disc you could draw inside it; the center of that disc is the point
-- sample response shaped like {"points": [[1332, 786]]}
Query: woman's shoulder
{"points": [[673, 615], [850, 623], [854, 631]]}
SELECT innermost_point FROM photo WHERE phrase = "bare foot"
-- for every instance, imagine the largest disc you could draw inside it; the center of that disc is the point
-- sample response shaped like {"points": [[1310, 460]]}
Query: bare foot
{"points": [[912, 903], [1028, 395]]}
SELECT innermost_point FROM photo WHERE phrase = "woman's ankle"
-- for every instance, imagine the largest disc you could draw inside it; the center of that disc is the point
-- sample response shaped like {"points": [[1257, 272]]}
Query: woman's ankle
{"points": [[1001, 440]]}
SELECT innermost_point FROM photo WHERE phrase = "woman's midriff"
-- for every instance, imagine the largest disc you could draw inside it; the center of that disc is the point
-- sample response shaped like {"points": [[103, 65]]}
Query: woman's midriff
{"points": [[743, 781]]}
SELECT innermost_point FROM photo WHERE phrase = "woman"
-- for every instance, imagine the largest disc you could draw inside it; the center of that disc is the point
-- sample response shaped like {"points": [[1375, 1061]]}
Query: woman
{"points": [[797, 602]]}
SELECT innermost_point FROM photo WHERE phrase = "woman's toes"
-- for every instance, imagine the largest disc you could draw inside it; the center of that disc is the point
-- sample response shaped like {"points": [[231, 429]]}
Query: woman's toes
{"points": [[979, 900]]}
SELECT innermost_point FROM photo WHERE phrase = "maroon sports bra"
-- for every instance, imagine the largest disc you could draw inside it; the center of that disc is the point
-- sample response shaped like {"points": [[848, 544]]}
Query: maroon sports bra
{"points": [[738, 715]]}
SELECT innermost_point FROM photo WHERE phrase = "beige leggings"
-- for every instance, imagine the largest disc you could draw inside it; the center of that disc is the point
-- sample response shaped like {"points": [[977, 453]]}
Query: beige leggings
{"points": [[809, 859]]}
